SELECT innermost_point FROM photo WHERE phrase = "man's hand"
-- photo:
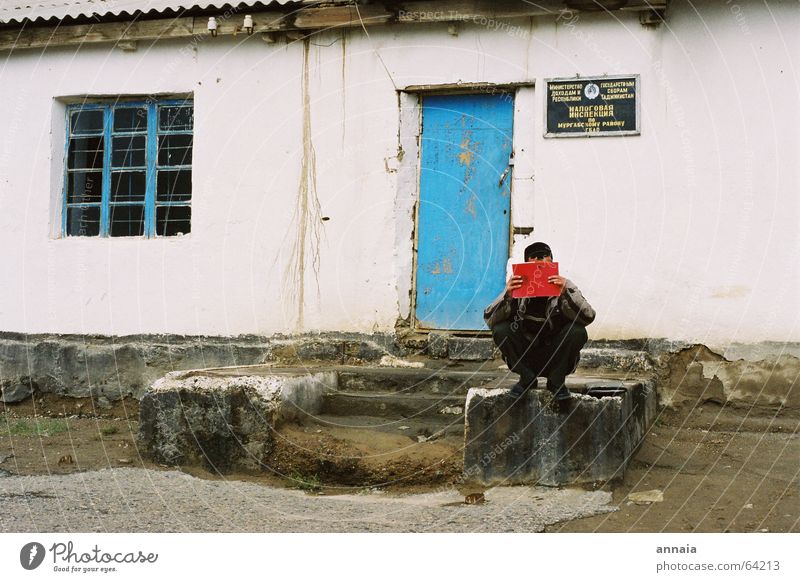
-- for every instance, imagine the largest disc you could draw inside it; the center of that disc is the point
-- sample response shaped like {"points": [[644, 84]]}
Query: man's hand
{"points": [[559, 282], [513, 283]]}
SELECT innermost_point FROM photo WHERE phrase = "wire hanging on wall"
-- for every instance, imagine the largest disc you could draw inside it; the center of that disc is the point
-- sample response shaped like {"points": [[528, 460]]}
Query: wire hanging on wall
{"points": [[372, 46]]}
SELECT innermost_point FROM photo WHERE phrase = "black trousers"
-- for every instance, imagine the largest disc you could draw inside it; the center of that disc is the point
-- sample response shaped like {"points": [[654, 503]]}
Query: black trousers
{"points": [[552, 358]]}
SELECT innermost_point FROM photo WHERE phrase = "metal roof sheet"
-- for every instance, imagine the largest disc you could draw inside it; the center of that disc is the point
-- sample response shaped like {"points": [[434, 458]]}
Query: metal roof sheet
{"points": [[20, 10]]}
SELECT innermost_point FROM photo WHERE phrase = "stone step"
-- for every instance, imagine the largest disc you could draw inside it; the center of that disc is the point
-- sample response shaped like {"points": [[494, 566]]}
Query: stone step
{"points": [[417, 380], [610, 354], [443, 380], [446, 381], [618, 359], [402, 404]]}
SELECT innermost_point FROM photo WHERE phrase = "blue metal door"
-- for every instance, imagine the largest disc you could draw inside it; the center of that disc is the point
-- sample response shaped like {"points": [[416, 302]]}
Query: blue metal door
{"points": [[464, 210]]}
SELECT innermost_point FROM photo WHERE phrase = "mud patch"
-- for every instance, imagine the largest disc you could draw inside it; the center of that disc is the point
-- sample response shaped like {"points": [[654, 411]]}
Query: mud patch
{"points": [[324, 455]]}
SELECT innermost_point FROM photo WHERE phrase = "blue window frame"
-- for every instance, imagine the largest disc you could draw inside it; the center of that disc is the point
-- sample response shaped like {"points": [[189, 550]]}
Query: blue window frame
{"points": [[128, 169]]}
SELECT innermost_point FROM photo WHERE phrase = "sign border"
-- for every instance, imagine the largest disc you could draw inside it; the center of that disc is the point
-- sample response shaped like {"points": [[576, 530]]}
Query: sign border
{"points": [[637, 131]]}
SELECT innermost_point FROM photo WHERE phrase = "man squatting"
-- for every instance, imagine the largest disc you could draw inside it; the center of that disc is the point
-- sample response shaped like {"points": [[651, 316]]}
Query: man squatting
{"points": [[540, 336]]}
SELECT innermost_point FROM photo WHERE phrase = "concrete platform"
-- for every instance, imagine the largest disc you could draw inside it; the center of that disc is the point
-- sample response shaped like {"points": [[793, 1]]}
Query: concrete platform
{"points": [[223, 423], [534, 440], [225, 418]]}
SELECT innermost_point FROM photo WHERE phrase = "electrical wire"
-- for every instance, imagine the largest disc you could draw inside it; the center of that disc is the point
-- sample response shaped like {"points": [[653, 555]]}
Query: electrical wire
{"points": [[375, 50]]}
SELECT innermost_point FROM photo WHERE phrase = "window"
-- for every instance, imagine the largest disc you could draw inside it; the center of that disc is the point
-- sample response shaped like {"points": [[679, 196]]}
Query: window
{"points": [[129, 169]]}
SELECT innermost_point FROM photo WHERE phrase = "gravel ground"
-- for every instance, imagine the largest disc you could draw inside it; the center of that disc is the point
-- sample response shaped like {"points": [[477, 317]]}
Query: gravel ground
{"points": [[143, 500]]}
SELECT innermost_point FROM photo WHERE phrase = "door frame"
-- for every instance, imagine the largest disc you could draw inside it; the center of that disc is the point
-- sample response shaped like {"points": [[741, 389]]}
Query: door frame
{"points": [[419, 92]]}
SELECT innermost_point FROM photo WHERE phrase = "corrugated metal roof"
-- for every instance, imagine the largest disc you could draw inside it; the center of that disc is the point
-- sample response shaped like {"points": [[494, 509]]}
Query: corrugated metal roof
{"points": [[20, 10]]}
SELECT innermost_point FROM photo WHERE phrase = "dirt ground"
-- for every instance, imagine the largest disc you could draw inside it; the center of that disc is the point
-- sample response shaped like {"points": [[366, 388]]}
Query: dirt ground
{"points": [[719, 469], [341, 458], [56, 435]]}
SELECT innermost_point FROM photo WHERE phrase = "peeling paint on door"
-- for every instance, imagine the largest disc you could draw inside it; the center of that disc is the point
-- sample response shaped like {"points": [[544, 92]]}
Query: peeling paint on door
{"points": [[447, 266], [471, 205], [466, 155]]}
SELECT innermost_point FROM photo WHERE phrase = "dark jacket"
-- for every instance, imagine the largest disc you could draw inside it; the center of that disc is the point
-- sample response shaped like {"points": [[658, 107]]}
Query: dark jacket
{"points": [[570, 305]]}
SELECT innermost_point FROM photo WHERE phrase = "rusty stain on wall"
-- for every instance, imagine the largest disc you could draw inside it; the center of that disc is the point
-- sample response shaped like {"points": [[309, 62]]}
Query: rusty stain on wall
{"points": [[307, 214], [344, 86]]}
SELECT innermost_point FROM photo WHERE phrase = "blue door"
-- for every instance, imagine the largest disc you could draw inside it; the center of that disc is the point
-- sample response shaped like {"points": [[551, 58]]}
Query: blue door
{"points": [[464, 210]]}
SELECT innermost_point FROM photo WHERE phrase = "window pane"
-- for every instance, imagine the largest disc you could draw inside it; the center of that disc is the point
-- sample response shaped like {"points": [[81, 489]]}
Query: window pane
{"points": [[87, 121], [128, 186], [130, 119], [128, 151], [174, 150], [174, 186], [83, 221], [84, 187], [126, 220], [173, 220], [176, 118], [85, 152]]}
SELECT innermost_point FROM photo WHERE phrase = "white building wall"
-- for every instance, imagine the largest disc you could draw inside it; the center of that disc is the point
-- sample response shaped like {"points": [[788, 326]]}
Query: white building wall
{"points": [[688, 231]]}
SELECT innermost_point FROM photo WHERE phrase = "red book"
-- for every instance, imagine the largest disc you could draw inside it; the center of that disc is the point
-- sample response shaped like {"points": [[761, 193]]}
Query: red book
{"points": [[534, 280]]}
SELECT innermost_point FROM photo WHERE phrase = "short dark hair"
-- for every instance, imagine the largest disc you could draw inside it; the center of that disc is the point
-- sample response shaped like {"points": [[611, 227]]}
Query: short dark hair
{"points": [[538, 250]]}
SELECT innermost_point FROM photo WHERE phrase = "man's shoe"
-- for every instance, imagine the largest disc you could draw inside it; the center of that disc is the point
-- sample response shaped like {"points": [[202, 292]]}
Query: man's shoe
{"points": [[519, 388], [562, 394]]}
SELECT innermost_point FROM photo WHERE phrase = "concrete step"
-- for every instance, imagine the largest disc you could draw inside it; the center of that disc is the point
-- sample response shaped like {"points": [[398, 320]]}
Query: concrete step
{"points": [[417, 380], [434, 377], [445, 381], [437, 383], [403, 404], [443, 345]]}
